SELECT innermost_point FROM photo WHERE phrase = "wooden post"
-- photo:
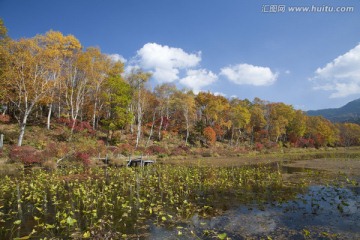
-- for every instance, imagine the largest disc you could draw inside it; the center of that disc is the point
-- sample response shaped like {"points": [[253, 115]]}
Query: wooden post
{"points": [[1, 141]]}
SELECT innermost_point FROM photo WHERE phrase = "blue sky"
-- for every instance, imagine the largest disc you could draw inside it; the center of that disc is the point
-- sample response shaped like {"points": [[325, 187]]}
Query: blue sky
{"points": [[230, 47]]}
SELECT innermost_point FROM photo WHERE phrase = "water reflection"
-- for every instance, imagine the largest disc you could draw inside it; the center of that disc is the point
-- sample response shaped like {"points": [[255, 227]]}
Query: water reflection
{"points": [[321, 212]]}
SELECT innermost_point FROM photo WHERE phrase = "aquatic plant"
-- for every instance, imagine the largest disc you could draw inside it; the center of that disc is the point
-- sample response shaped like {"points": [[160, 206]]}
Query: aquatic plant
{"points": [[126, 202]]}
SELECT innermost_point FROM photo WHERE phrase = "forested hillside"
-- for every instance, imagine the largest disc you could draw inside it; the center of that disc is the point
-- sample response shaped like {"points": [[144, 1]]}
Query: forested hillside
{"points": [[347, 113], [50, 81]]}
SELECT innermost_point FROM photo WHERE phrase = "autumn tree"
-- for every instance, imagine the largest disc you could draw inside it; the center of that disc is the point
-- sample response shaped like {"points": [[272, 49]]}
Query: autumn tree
{"points": [[77, 84], [280, 117], [321, 130], [185, 103], [163, 93], [117, 97], [58, 50], [210, 135], [26, 78], [3, 39], [97, 69], [297, 127], [137, 79], [240, 117], [257, 121], [151, 112], [349, 134]]}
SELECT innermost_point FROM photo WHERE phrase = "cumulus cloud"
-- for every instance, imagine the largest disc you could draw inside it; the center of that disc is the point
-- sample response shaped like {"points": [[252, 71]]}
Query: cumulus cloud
{"points": [[117, 57], [197, 79], [341, 76], [219, 94], [249, 74], [166, 62]]}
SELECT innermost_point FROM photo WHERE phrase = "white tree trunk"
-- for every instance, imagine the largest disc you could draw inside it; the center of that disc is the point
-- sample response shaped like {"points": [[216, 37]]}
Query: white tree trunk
{"points": [[49, 116], [94, 115], [151, 130], [22, 128]]}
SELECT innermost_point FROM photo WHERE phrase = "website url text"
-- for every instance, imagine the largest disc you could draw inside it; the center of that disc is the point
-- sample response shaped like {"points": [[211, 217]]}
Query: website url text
{"points": [[271, 8]]}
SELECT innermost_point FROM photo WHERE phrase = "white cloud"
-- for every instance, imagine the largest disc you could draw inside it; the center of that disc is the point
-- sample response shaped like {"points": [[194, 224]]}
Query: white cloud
{"points": [[341, 76], [166, 62], [249, 74], [219, 94], [117, 57], [197, 79]]}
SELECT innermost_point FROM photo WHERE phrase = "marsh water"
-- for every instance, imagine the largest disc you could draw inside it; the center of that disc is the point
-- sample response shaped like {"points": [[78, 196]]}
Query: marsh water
{"points": [[272, 202], [322, 212], [330, 211]]}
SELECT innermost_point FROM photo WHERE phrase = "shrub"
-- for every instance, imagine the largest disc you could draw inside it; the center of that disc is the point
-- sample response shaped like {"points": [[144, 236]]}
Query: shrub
{"points": [[271, 145], [207, 154], [78, 125], [49, 165], [305, 143], [25, 154], [218, 131], [209, 135], [4, 118], [258, 146], [83, 157], [55, 150], [156, 150], [124, 149], [180, 150]]}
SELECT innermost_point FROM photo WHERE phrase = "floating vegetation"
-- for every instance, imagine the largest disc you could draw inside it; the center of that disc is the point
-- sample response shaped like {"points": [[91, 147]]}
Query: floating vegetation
{"points": [[161, 200], [119, 202]]}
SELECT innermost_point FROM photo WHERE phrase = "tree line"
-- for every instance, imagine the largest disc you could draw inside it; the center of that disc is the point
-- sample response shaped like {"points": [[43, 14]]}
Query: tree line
{"points": [[51, 76]]}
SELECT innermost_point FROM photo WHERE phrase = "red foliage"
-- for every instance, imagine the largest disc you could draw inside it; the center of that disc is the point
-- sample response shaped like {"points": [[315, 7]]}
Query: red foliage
{"points": [[124, 149], [78, 125], [180, 150], [165, 122], [154, 149], [210, 135], [83, 157], [271, 145], [261, 136], [258, 146], [218, 130], [25, 154], [4, 118], [305, 143]]}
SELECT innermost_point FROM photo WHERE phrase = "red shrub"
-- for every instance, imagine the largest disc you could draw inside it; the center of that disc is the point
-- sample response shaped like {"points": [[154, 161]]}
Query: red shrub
{"points": [[218, 131], [4, 118], [305, 143], [83, 157], [258, 146], [25, 154], [124, 149], [180, 150], [78, 126], [154, 149], [209, 135], [271, 145]]}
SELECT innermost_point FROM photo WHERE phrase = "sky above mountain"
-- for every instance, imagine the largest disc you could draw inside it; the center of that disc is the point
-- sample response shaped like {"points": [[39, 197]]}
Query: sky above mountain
{"points": [[300, 52]]}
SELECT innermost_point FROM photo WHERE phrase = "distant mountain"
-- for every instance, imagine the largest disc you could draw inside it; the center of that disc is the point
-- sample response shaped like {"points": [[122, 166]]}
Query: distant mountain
{"points": [[348, 113]]}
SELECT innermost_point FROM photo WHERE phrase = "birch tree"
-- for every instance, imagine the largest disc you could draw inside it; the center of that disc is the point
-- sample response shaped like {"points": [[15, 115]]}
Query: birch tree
{"points": [[26, 78], [58, 49], [185, 102], [137, 79]]}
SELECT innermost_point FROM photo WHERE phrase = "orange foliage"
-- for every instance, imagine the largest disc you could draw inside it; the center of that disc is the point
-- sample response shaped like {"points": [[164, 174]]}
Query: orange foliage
{"points": [[210, 135]]}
